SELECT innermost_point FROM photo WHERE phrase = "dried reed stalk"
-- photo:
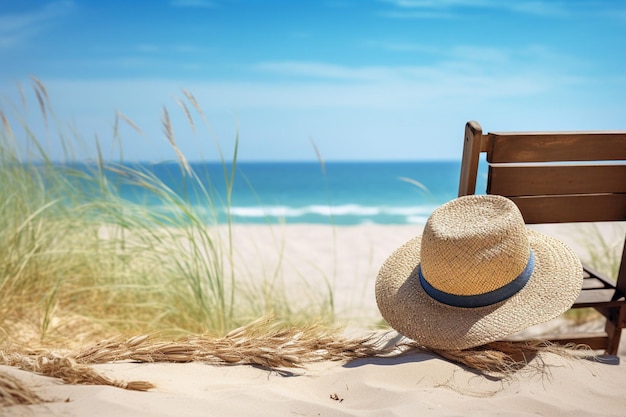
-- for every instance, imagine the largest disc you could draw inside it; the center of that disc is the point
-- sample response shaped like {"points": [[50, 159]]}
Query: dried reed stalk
{"points": [[169, 134], [185, 109], [7, 126], [42, 97], [288, 348], [65, 368], [255, 344], [264, 344], [504, 358], [128, 121], [14, 392]]}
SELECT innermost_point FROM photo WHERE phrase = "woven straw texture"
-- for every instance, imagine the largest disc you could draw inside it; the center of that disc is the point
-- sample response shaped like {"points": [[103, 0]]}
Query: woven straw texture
{"points": [[474, 245]]}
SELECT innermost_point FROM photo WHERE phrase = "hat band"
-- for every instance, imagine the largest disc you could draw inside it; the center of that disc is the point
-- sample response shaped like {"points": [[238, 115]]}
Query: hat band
{"points": [[480, 300]]}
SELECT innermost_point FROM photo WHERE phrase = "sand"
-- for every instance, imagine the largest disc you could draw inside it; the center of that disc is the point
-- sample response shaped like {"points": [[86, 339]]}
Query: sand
{"points": [[415, 383]]}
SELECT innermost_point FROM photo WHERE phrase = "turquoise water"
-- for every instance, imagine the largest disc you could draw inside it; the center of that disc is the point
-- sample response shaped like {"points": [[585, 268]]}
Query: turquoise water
{"points": [[342, 193]]}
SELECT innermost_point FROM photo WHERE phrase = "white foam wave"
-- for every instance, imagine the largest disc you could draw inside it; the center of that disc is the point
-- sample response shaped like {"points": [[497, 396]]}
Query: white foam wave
{"points": [[413, 214], [416, 219]]}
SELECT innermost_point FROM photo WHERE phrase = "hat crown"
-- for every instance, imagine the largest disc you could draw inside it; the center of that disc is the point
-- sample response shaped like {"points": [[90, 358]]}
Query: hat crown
{"points": [[474, 245]]}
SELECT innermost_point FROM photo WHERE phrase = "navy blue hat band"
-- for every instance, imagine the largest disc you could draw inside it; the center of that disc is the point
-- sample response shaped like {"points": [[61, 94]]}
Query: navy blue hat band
{"points": [[481, 300]]}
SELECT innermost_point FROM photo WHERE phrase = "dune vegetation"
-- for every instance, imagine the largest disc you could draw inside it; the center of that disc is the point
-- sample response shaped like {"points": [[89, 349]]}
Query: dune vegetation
{"points": [[87, 276], [79, 262]]}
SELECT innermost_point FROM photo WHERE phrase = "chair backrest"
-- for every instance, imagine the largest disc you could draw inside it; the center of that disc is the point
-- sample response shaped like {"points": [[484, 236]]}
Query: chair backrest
{"points": [[553, 177]]}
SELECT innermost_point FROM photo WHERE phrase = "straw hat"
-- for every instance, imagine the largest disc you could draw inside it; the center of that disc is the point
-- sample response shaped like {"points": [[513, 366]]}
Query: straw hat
{"points": [[476, 275]]}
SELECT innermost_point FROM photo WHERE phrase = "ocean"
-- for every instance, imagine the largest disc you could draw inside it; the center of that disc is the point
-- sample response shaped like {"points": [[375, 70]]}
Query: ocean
{"points": [[339, 193]]}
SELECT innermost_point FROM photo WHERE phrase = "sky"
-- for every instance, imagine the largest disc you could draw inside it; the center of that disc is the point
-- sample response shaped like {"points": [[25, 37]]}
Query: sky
{"points": [[285, 79]]}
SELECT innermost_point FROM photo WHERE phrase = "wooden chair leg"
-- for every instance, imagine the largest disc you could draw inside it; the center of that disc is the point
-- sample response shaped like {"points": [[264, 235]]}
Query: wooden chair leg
{"points": [[613, 328]]}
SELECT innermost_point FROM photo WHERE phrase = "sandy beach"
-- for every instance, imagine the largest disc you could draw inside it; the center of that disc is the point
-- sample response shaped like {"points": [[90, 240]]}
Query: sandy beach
{"points": [[415, 383]]}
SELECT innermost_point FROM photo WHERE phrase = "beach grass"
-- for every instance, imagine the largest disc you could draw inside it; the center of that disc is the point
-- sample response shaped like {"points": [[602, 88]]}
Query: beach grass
{"points": [[602, 252], [77, 259]]}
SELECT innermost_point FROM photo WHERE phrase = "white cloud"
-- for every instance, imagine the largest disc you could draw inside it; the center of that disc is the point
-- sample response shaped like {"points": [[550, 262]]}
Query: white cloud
{"points": [[329, 85], [438, 4], [323, 70], [402, 14], [452, 8], [468, 52], [302, 84], [400, 104], [541, 8], [439, 65], [17, 28]]}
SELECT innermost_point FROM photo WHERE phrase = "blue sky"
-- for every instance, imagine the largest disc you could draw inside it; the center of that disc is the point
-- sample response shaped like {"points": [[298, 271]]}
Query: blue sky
{"points": [[363, 79]]}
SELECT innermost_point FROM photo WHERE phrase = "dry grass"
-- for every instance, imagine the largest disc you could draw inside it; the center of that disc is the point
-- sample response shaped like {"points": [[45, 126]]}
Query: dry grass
{"points": [[14, 392], [255, 344], [64, 367], [263, 343], [505, 358]]}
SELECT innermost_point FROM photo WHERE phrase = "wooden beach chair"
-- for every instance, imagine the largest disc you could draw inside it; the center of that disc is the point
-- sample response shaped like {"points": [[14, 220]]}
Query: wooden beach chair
{"points": [[561, 177]]}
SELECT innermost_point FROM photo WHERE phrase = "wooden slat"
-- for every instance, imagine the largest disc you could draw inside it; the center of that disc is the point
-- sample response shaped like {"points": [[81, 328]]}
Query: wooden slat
{"points": [[471, 154], [573, 208], [591, 274], [590, 284], [546, 147], [621, 274], [597, 297], [556, 179]]}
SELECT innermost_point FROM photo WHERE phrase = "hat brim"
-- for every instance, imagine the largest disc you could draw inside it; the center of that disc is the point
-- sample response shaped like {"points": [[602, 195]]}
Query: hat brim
{"points": [[552, 289]]}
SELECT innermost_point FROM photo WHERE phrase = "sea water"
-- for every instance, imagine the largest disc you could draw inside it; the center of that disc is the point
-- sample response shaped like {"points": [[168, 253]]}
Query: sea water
{"points": [[339, 193]]}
